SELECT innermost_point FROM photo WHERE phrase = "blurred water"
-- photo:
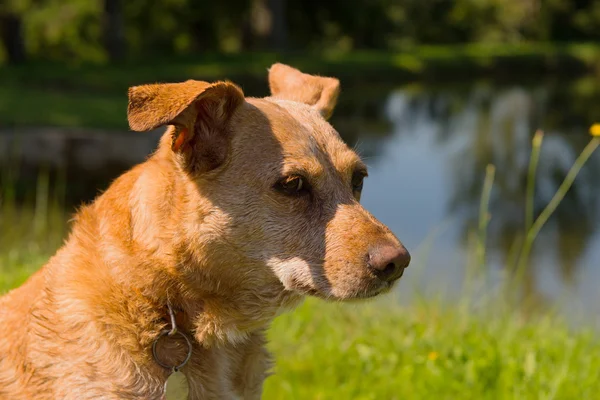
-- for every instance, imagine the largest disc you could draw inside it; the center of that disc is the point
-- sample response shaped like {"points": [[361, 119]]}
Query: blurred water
{"points": [[427, 148], [426, 177]]}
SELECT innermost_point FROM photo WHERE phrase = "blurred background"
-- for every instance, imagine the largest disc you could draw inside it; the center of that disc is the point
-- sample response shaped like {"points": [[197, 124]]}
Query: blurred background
{"points": [[432, 92]]}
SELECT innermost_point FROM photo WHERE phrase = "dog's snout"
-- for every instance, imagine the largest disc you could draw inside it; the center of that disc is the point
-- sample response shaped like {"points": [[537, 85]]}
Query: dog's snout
{"points": [[388, 261]]}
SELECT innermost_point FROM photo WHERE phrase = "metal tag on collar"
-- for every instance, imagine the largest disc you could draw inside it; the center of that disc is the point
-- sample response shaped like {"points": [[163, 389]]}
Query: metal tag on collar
{"points": [[176, 387]]}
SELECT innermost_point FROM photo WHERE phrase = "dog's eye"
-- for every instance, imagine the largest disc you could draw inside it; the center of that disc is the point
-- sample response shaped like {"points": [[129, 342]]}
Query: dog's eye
{"points": [[357, 181], [292, 185]]}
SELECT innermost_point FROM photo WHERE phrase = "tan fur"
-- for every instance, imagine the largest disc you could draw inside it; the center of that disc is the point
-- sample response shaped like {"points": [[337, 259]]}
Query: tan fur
{"points": [[198, 226]]}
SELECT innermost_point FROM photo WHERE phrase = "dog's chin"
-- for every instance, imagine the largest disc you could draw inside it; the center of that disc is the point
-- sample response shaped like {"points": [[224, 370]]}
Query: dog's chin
{"points": [[347, 294], [369, 293]]}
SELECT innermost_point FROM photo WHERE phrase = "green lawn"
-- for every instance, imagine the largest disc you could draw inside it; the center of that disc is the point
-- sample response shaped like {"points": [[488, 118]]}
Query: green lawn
{"points": [[95, 96], [380, 349]]}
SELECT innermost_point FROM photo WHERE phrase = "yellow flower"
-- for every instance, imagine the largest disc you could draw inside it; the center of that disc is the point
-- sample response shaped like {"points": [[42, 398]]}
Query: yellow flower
{"points": [[433, 355], [595, 130]]}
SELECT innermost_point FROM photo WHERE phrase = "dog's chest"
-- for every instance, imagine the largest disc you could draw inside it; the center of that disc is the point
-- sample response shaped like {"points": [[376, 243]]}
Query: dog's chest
{"points": [[229, 370]]}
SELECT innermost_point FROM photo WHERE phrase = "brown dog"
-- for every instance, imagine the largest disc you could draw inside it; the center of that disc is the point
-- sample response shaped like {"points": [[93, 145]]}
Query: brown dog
{"points": [[247, 205]]}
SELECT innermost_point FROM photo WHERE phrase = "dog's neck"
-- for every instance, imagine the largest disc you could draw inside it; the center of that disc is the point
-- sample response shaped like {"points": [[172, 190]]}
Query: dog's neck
{"points": [[117, 272], [175, 263]]}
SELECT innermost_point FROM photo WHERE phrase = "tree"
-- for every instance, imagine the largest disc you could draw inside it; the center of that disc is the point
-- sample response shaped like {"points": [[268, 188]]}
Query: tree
{"points": [[11, 35], [278, 34], [114, 40]]}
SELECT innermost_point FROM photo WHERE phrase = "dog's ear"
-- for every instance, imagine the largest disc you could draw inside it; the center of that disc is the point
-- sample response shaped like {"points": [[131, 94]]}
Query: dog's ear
{"points": [[290, 84], [199, 112]]}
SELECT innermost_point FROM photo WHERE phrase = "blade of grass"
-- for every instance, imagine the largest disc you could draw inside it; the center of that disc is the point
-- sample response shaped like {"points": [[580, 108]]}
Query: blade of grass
{"points": [[476, 263], [484, 215], [41, 201], [553, 204], [533, 163]]}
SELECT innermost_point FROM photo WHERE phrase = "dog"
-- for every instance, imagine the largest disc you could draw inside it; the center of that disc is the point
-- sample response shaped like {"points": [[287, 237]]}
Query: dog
{"points": [[247, 206]]}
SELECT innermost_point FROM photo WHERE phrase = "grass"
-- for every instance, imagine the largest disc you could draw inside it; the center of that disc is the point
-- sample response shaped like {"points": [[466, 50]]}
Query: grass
{"points": [[479, 347], [95, 95], [382, 350], [26, 243]]}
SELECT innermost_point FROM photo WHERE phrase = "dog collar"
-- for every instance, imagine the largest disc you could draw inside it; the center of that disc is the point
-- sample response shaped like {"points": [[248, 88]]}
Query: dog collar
{"points": [[170, 333]]}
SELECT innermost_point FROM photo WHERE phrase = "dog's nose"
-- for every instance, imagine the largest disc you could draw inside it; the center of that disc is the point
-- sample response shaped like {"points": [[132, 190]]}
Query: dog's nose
{"points": [[388, 261]]}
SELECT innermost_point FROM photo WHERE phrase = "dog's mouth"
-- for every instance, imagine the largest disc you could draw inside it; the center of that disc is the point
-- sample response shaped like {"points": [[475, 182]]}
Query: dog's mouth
{"points": [[296, 275], [368, 292], [383, 288], [307, 290]]}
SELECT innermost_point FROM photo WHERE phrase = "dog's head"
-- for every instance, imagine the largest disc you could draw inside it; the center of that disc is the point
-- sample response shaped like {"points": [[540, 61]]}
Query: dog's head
{"points": [[277, 189]]}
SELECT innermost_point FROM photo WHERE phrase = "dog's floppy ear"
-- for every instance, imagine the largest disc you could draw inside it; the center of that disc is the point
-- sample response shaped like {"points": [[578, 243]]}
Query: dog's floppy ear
{"points": [[290, 84], [199, 111]]}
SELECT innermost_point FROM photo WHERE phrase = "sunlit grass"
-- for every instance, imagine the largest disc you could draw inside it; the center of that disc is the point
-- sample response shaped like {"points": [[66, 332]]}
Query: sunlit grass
{"points": [[429, 350], [25, 245]]}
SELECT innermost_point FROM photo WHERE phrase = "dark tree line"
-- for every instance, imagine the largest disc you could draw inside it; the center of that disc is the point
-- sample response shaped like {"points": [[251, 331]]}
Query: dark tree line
{"points": [[101, 30]]}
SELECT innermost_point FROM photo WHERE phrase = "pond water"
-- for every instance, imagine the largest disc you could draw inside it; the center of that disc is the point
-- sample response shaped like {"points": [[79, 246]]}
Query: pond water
{"points": [[427, 147], [427, 174]]}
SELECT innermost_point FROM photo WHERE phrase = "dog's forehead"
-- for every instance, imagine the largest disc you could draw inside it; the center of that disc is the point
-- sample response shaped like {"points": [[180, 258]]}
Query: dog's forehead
{"points": [[303, 134]]}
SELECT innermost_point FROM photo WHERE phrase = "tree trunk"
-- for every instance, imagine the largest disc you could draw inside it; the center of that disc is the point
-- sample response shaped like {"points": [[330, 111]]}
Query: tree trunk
{"points": [[279, 28], [11, 35], [114, 37]]}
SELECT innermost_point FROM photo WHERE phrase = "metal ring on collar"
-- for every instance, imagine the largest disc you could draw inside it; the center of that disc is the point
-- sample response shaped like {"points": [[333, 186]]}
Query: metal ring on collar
{"points": [[173, 368]]}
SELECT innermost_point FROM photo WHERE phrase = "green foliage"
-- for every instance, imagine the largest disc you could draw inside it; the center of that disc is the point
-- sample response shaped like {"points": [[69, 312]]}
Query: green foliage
{"points": [[77, 30], [64, 30], [96, 95]]}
